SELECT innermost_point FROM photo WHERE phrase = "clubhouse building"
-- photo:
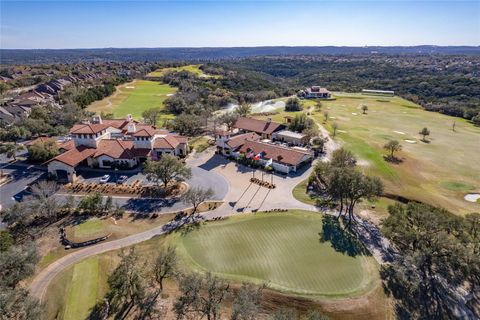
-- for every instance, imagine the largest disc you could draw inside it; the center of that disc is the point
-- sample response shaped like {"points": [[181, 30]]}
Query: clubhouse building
{"points": [[264, 142], [315, 92], [116, 143]]}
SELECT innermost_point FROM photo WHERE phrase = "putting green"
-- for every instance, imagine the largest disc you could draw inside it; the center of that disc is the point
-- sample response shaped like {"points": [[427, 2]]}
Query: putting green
{"points": [[283, 250]]}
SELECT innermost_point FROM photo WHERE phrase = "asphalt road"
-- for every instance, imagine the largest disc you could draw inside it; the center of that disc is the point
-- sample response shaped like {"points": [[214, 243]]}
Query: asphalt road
{"points": [[22, 176]]}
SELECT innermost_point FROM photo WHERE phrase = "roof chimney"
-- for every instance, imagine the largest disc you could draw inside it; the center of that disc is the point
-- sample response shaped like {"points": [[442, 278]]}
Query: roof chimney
{"points": [[97, 119], [131, 127]]}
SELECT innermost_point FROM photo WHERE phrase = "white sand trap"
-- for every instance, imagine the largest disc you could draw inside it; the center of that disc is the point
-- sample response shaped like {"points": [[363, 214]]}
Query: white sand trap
{"points": [[354, 113], [399, 132], [342, 131], [363, 163], [410, 141], [170, 94], [333, 118], [130, 87], [472, 197]]}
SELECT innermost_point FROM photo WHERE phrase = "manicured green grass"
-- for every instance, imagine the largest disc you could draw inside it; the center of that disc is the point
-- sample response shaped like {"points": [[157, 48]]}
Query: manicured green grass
{"points": [[83, 288], [457, 186], [193, 68], [134, 98], [199, 143], [89, 228], [300, 193], [439, 172], [281, 249]]}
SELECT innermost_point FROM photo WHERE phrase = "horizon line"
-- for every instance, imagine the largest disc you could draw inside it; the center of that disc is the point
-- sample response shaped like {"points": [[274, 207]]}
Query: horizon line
{"points": [[258, 46]]}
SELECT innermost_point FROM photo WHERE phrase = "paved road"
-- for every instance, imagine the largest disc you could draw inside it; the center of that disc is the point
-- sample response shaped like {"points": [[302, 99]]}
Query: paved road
{"points": [[22, 176], [40, 283]]}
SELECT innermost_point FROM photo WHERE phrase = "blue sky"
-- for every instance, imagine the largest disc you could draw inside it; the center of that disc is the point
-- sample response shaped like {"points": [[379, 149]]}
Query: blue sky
{"points": [[96, 24]]}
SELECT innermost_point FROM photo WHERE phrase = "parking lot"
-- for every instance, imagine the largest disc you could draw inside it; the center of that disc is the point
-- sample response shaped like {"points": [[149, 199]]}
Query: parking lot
{"points": [[88, 176]]}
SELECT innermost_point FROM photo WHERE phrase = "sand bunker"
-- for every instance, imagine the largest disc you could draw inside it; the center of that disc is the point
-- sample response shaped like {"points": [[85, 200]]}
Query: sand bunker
{"points": [[333, 118], [354, 113], [363, 163], [342, 131], [399, 132], [130, 87], [410, 141], [170, 94], [472, 197]]}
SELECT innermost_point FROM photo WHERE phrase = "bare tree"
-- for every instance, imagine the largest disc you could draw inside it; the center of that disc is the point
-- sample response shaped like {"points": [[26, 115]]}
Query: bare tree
{"points": [[334, 127], [246, 305], [196, 195], [165, 265], [201, 296]]}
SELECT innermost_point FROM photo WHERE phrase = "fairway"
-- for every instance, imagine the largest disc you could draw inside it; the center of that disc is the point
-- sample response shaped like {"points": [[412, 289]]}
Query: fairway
{"points": [[82, 292], [439, 173], [134, 98], [282, 250], [192, 68]]}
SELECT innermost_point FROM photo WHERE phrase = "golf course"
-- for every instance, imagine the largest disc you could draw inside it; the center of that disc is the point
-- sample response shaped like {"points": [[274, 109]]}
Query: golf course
{"points": [[283, 250], [438, 171], [134, 98], [297, 253]]}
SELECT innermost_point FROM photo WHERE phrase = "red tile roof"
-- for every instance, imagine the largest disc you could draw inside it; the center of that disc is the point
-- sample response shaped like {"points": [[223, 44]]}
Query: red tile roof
{"points": [[117, 149], [166, 142], [277, 153], [258, 126], [237, 141], [88, 128], [74, 156], [66, 145]]}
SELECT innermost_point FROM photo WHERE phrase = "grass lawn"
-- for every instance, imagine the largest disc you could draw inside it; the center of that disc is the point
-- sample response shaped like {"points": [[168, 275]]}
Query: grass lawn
{"points": [[300, 193], [193, 68], [73, 293], [281, 249], [439, 172], [82, 293], [199, 143], [134, 98]]}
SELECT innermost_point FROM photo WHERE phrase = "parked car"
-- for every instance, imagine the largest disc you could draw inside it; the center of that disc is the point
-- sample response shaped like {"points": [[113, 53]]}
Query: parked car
{"points": [[105, 178], [122, 179]]}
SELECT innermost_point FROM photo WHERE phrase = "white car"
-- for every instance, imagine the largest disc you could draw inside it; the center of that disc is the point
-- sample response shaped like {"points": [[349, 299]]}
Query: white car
{"points": [[105, 178]]}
